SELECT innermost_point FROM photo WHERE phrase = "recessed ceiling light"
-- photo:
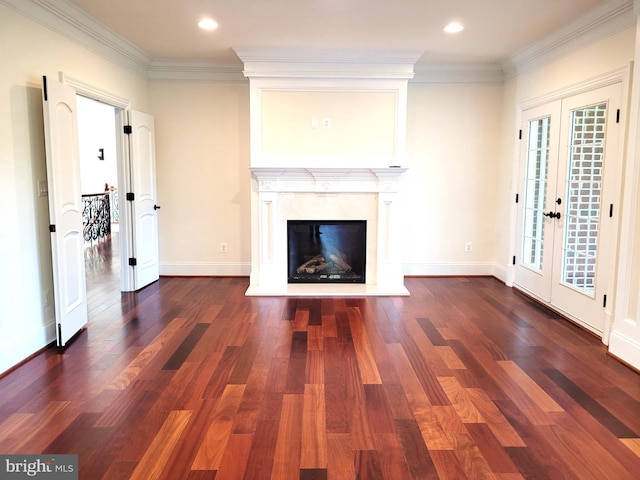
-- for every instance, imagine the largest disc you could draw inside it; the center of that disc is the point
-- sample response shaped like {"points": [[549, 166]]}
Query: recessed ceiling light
{"points": [[208, 24], [454, 27]]}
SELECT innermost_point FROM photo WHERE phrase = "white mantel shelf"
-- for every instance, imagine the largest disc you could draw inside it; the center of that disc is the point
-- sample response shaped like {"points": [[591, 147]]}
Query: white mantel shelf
{"points": [[327, 179]]}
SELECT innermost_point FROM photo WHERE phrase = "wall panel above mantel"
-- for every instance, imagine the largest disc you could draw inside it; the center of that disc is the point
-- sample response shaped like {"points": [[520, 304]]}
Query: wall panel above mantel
{"points": [[328, 108]]}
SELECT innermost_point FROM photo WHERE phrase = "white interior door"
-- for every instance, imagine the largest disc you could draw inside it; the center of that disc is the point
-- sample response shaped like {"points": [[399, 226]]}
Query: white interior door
{"points": [[142, 164], [570, 172], [65, 208]]}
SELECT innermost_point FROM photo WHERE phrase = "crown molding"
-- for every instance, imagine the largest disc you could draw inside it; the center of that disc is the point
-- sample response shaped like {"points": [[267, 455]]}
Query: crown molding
{"points": [[327, 56], [458, 73], [597, 24], [208, 71], [330, 63], [75, 24]]}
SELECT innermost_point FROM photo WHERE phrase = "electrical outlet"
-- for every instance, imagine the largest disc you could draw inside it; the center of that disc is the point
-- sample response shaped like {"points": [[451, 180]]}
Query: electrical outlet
{"points": [[223, 247], [468, 247], [326, 123]]}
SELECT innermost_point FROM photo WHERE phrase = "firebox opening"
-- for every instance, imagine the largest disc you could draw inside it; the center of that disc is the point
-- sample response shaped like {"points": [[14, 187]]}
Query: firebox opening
{"points": [[326, 251]]}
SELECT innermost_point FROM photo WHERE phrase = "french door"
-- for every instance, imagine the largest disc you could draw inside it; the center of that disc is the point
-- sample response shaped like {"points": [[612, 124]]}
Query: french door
{"points": [[569, 186]]}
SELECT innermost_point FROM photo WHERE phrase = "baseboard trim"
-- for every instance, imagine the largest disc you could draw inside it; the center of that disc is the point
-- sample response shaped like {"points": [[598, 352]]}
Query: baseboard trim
{"points": [[455, 270], [26, 347], [205, 269], [625, 349], [409, 269]]}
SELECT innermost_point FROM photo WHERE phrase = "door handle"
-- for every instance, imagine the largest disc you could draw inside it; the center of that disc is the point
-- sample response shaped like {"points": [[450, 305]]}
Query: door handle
{"points": [[156, 207], [552, 214]]}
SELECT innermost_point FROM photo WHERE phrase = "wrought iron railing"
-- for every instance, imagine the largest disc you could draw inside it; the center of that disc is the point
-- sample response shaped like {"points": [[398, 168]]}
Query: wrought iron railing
{"points": [[115, 217], [96, 216]]}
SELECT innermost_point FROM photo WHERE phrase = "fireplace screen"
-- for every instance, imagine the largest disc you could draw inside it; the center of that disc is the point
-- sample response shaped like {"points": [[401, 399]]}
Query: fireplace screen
{"points": [[327, 251]]}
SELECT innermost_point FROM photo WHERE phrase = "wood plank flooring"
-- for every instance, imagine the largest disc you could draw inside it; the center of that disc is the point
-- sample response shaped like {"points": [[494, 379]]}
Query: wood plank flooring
{"points": [[465, 379]]}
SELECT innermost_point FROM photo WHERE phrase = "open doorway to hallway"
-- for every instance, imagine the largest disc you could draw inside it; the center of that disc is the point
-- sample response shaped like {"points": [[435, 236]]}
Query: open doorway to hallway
{"points": [[99, 182]]}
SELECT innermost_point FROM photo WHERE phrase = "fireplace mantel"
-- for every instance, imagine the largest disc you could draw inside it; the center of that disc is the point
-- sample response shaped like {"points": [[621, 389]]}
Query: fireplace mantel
{"points": [[370, 194], [320, 179], [328, 142]]}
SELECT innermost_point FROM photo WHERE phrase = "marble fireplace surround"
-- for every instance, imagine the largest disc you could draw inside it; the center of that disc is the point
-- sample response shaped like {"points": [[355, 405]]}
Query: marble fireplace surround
{"points": [[370, 194]]}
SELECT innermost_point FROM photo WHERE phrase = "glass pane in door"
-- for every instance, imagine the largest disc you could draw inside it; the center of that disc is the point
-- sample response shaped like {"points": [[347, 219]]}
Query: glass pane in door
{"points": [[535, 193], [583, 194]]}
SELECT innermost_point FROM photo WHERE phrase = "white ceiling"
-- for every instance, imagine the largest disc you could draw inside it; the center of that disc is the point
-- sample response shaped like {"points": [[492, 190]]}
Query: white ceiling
{"points": [[495, 29]]}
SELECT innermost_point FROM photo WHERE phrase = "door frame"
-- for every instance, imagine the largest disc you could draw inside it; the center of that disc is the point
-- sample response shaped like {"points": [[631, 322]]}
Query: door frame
{"points": [[122, 106], [620, 75]]}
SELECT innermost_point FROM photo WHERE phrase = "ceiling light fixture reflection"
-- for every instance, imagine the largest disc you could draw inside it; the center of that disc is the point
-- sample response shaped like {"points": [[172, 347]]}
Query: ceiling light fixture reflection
{"points": [[454, 27], [208, 24]]}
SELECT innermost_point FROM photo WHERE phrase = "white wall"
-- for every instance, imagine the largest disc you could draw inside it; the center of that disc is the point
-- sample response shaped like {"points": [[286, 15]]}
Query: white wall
{"points": [[28, 51], [96, 129], [625, 335], [202, 148], [452, 186]]}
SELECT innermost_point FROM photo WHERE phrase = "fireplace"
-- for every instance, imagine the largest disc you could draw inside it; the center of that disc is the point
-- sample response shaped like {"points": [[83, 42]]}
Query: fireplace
{"points": [[329, 197], [328, 134], [326, 251]]}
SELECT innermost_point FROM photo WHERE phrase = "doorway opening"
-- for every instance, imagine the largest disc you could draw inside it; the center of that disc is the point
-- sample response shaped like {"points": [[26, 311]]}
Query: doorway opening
{"points": [[98, 153], [567, 231]]}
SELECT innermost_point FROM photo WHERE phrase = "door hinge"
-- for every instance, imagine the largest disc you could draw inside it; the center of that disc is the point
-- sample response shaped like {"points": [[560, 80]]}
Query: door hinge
{"points": [[517, 197], [128, 130], [611, 210], [44, 88], [52, 228], [604, 301], [514, 259], [618, 116], [131, 197], [520, 134], [133, 262]]}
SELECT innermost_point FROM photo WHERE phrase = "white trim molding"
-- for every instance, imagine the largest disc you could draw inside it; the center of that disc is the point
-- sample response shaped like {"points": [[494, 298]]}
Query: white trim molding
{"points": [[454, 269], [334, 64], [623, 345], [71, 21], [606, 19], [96, 93], [205, 269]]}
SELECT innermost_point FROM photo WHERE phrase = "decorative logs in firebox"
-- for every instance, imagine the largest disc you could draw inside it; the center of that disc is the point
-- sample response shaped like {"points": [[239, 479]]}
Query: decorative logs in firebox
{"points": [[319, 263]]}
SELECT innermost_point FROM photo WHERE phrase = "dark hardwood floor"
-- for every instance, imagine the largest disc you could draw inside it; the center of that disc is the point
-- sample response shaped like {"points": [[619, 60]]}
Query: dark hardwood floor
{"points": [[189, 379]]}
